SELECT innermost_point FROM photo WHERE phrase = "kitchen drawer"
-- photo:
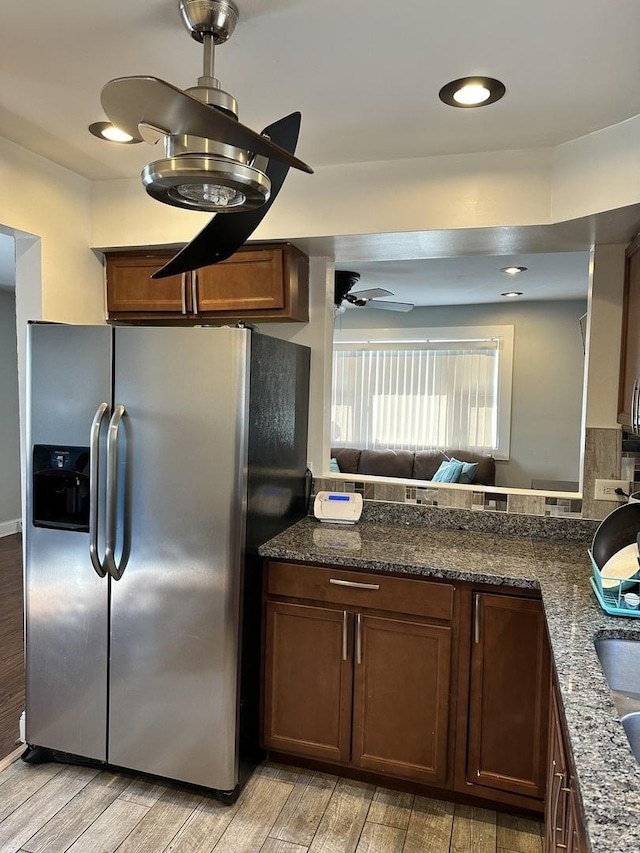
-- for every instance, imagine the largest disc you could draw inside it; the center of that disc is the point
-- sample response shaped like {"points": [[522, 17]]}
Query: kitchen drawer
{"points": [[398, 595]]}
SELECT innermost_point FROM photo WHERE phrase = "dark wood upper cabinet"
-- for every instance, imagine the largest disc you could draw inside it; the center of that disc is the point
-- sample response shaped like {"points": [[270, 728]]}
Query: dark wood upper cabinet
{"points": [[629, 389], [132, 291], [268, 282], [509, 695]]}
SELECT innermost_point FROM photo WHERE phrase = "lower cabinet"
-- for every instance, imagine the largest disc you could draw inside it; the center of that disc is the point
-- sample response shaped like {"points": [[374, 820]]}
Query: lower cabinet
{"points": [[420, 680], [401, 690], [356, 687], [309, 681], [508, 695], [564, 829]]}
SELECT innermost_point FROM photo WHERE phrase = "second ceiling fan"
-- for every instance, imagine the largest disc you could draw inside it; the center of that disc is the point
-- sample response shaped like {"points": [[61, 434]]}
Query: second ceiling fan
{"points": [[345, 280]]}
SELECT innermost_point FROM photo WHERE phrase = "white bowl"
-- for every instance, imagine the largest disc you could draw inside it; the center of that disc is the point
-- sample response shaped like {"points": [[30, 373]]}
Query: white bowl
{"points": [[621, 569]]}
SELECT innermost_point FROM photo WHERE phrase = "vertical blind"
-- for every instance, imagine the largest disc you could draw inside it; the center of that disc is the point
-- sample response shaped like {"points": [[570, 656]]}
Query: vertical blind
{"points": [[416, 396]]}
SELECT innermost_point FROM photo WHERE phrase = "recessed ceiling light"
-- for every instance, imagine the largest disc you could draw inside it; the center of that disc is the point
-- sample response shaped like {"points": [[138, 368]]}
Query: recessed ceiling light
{"points": [[106, 131], [512, 293], [472, 92], [513, 270]]}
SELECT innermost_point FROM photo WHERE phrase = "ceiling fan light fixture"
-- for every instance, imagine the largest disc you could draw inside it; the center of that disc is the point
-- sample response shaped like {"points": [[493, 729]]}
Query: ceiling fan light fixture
{"points": [[471, 92], [215, 194], [108, 132], [206, 182]]}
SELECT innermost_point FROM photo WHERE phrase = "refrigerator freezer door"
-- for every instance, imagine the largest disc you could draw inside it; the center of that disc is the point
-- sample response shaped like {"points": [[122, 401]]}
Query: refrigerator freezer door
{"points": [[66, 603], [175, 610]]}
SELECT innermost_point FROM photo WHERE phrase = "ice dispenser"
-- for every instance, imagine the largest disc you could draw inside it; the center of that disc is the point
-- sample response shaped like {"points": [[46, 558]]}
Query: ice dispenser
{"points": [[61, 487]]}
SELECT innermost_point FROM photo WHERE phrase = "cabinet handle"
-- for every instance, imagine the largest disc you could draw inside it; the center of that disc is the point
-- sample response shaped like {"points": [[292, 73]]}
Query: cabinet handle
{"points": [[354, 584], [345, 625], [184, 292], [635, 417], [358, 638], [194, 293], [559, 777], [476, 618]]}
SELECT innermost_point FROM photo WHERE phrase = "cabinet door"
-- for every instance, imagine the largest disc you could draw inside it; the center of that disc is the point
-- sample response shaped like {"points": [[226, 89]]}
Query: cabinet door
{"points": [[268, 282], [401, 698], [509, 695], [131, 290], [307, 689]]}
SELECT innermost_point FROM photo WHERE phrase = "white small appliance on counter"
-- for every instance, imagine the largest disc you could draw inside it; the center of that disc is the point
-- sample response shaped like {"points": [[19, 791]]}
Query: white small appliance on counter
{"points": [[338, 507]]}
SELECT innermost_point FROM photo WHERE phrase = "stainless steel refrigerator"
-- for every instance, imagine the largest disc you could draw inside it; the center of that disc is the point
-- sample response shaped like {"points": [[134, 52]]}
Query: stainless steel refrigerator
{"points": [[159, 459]]}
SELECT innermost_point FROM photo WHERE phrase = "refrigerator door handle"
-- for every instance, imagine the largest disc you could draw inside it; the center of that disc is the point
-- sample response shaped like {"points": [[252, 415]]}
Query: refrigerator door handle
{"points": [[94, 488], [112, 493]]}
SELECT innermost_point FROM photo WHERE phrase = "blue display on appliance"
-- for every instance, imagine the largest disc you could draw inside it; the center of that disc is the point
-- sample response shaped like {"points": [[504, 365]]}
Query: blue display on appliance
{"points": [[338, 498]]}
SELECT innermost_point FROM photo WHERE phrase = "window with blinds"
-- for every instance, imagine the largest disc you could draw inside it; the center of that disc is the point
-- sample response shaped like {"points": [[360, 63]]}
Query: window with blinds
{"points": [[412, 394]]}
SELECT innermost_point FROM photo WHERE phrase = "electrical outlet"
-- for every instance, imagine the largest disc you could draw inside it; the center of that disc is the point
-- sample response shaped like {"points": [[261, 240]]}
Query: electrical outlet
{"points": [[605, 490]]}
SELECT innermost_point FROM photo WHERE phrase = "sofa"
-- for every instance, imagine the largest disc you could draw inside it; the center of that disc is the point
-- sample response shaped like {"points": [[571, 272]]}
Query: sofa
{"points": [[409, 464]]}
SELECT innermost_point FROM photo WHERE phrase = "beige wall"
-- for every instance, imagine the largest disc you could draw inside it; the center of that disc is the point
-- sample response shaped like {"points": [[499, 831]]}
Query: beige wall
{"points": [[597, 172], [42, 199], [603, 353], [58, 277]]}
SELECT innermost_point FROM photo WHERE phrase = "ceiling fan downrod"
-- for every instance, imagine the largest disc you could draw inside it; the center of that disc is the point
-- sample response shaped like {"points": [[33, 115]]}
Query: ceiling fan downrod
{"points": [[211, 22]]}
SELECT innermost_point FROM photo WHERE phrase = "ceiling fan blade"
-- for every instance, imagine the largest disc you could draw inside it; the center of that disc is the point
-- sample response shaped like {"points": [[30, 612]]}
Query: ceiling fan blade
{"points": [[373, 293], [391, 306], [223, 235], [131, 101]]}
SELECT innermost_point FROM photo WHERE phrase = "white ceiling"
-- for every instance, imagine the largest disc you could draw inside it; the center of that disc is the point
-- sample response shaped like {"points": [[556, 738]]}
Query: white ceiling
{"points": [[365, 74], [477, 280]]}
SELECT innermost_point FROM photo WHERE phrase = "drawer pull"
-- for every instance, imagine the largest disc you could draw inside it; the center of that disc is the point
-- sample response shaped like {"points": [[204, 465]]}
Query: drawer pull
{"points": [[354, 584]]}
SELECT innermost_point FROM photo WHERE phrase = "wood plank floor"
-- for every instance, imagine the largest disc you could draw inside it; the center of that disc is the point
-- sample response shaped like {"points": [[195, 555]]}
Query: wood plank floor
{"points": [[11, 641], [52, 808]]}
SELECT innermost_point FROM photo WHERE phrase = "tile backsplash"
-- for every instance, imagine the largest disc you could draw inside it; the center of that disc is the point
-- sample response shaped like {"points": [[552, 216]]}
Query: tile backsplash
{"points": [[603, 457]]}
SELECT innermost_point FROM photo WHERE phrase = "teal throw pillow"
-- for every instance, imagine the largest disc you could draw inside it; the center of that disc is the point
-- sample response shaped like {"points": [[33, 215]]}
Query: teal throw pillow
{"points": [[334, 468], [448, 472], [468, 471]]}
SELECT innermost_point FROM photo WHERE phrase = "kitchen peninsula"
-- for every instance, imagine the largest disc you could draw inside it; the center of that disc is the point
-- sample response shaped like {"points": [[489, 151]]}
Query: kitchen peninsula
{"points": [[507, 553]]}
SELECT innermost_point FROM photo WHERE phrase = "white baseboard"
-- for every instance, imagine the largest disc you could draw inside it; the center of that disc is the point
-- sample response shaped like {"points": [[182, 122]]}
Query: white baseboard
{"points": [[9, 527]]}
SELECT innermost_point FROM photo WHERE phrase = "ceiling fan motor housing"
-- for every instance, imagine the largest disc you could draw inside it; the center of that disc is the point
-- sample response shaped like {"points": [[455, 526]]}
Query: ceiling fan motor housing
{"points": [[203, 174], [344, 281], [217, 18]]}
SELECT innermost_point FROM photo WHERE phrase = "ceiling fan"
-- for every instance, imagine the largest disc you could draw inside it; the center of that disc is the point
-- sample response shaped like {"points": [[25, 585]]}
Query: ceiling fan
{"points": [[211, 161], [345, 280]]}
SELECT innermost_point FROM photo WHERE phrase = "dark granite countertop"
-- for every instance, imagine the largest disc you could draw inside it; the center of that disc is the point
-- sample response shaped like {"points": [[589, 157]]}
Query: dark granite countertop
{"points": [[517, 551]]}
